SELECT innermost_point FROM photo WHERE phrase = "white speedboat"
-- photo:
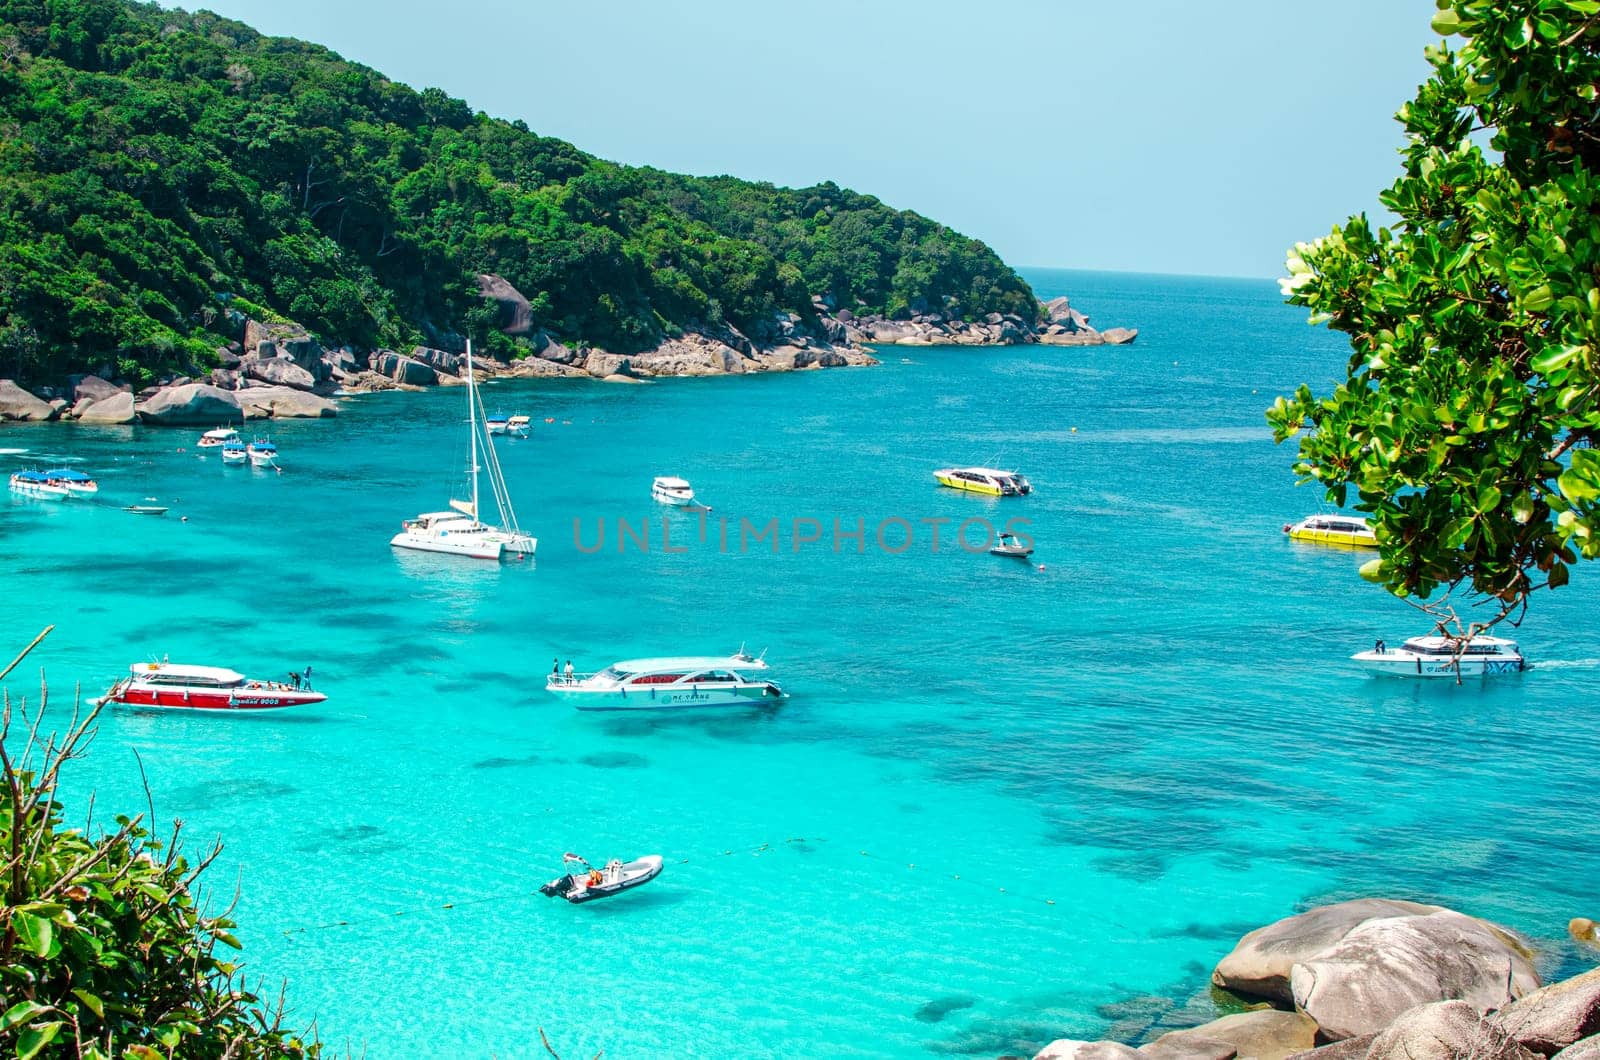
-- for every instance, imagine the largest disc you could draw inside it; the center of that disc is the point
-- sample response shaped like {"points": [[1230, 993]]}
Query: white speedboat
{"points": [[217, 438], [517, 426], [262, 453], [674, 491], [497, 423], [1437, 656], [460, 531], [234, 451], [668, 684], [584, 883], [1333, 530], [984, 480]]}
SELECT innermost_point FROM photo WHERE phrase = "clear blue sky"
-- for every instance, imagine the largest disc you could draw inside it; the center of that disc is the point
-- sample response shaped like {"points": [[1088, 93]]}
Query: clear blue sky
{"points": [[1158, 136]]}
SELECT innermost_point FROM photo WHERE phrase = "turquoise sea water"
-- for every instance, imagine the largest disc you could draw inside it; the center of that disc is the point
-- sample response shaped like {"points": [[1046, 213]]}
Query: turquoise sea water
{"points": [[1003, 804]]}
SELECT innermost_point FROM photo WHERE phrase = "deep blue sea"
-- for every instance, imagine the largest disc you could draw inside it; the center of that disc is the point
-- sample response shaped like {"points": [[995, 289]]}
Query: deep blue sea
{"points": [[1005, 803]]}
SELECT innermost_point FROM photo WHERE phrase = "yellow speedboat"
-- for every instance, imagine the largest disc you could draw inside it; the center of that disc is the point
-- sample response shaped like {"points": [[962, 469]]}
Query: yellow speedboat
{"points": [[1333, 530], [984, 480]]}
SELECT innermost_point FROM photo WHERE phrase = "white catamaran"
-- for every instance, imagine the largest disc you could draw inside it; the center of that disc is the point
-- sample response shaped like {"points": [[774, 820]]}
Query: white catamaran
{"points": [[459, 531]]}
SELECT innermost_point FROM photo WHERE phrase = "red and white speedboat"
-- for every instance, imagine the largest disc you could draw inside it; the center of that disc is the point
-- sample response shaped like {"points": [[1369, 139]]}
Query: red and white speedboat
{"points": [[178, 687]]}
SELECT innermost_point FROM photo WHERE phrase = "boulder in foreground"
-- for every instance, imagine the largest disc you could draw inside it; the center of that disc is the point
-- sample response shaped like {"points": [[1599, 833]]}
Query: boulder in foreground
{"points": [[17, 404], [118, 408]]}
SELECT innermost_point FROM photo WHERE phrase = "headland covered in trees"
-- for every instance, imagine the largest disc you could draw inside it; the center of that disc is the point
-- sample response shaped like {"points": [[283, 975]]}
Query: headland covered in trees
{"points": [[169, 177]]}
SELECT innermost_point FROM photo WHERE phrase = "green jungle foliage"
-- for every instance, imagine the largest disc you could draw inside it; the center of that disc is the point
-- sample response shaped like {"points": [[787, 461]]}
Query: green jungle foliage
{"points": [[154, 163], [1468, 420], [105, 950]]}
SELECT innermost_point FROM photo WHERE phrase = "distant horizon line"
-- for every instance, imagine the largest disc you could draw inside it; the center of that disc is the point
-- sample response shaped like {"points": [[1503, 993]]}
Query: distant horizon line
{"points": [[1145, 272]]}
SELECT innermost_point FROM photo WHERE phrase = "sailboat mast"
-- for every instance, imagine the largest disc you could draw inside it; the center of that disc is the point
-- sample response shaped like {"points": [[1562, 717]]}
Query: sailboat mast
{"points": [[472, 429]]}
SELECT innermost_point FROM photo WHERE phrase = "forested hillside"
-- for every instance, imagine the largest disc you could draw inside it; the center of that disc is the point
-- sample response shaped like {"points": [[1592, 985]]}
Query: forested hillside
{"points": [[164, 174]]}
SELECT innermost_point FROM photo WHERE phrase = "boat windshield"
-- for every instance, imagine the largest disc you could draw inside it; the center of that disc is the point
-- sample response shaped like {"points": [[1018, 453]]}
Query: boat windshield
{"points": [[611, 673]]}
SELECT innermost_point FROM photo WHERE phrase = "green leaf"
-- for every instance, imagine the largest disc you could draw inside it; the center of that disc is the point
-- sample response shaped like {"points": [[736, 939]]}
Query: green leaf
{"points": [[90, 1001], [36, 932], [30, 1040], [21, 1012], [1558, 576], [1539, 299], [1554, 357], [1447, 22], [1372, 571]]}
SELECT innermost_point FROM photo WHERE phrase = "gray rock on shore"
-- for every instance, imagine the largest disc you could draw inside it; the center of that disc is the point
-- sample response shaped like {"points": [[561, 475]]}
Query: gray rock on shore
{"points": [[1259, 965], [191, 405], [1588, 1049], [116, 408], [278, 371], [17, 404], [1443, 1030], [282, 403], [1384, 967], [1555, 1017]]}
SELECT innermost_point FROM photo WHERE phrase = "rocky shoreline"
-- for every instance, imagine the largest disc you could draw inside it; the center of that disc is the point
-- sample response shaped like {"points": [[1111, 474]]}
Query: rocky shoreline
{"points": [[281, 371], [1381, 979]]}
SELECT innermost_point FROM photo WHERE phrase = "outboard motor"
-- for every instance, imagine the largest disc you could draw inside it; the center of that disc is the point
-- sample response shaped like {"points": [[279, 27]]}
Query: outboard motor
{"points": [[557, 888]]}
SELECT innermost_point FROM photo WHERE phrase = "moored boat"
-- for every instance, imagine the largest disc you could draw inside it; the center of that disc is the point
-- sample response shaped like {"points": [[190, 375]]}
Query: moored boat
{"points": [[145, 509], [38, 484], [460, 530], [668, 684], [72, 481], [1437, 656], [262, 453], [517, 426], [1349, 530], [235, 451], [497, 423], [217, 438], [1012, 545], [174, 686], [585, 883], [986, 480], [668, 489]]}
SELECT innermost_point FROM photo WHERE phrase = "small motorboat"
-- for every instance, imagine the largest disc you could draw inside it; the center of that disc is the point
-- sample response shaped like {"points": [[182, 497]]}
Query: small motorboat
{"points": [[1438, 656], [145, 509], [585, 883], [1012, 545], [261, 453], [497, 423], [1350, 530], [217, 438], [668, 489], [517, 427], [235, 451], [672, 683]]}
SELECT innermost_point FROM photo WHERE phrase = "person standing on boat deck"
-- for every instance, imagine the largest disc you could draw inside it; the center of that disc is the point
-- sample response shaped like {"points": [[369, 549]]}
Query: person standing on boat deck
{"points": [[294, 678], [307, 678], [555, 668], [569, 671]]}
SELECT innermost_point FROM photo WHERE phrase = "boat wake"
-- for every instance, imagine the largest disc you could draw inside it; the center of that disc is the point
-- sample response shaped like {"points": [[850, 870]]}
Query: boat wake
{"points": [[12, 452], [1565, 664]]}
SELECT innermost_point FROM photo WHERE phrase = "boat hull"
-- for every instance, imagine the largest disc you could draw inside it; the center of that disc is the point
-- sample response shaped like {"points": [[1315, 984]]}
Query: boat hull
{"points": [[265, 698], [1334, 537], [667, 698], [1405, 664], [968, 486], [675, 500], [54, 493], [479, 547]]}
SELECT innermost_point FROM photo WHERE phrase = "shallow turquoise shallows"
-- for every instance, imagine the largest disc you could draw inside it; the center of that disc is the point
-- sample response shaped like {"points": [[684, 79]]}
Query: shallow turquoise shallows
{"points": [[1003, 804]]}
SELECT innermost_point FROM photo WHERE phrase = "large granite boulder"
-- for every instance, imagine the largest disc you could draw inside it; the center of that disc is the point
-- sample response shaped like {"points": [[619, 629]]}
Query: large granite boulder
{"points": [[1555, 1017], [281, 403], [440, 360], [1265, 1034], [1259, 965], [1443, 1030], [1588, 1049], [1345, 1049], [1071, 1049], [1119, 336], [93, 388], [516, 315], [192, 405], [117, 408], [601, 364], [1385, 966], [404, 370], [341, 362], [17, 404], [1060, 311], [279, 371], [545, 346]]}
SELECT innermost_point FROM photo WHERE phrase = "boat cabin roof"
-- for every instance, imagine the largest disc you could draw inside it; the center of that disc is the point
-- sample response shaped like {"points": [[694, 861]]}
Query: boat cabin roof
{"points": [[1436, 645], [221, 432], [671, 482], [519, 419], [31, 476], [177, 672], [1335, 522], [66, 474], [989, 471], [686, 663]]}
